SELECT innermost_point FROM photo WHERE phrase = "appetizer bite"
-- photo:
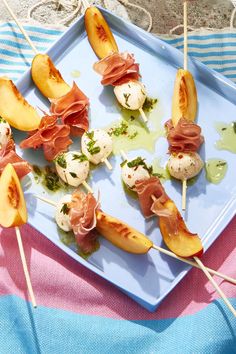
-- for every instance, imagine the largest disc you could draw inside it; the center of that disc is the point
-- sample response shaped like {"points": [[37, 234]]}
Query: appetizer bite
{"points": [[117, 69], [154, 201], [96, 145]]}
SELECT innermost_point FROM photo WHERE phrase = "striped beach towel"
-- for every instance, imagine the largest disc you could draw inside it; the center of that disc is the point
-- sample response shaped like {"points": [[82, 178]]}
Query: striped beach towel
{"points": [[215, 49]]}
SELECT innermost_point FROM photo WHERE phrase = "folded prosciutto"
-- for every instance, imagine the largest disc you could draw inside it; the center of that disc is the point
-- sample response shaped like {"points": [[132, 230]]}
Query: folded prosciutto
{"points": [[83, 220], [72, 108], [117, 69], [53, 137], [21, 166], [184, 137], [152, 197]]}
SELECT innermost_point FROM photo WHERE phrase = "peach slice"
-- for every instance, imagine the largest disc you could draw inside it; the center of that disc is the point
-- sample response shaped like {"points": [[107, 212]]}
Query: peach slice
{"points": [[15, 109], [47, 78], [184, 102], [13, 210], [182, 242], [99, 34], [122, 235]]}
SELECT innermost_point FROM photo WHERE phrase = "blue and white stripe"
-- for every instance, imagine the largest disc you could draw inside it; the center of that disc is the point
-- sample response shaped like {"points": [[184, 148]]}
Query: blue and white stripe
{"points": [[217, 50]]}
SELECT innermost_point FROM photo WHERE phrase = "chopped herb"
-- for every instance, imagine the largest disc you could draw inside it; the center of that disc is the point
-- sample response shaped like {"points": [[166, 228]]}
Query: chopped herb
{"points": [[2, 120], [144, 93], [61, 161], [127, 96], [234, 127], [51, 179], [80, 157], [221, 164], [149, 103], [129, 86], [132, 118], [94, 150], [159, 175], [90, 135], [37, 170], [223, 129], [132, 136], [74, 175], [139, 161], [65, 209], [122, 129], [123, 163]]}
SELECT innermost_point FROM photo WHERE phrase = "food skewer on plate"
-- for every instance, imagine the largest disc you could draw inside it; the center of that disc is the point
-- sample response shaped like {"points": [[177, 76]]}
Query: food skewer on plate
{"points": [[184, 136], [70, 104], [13, 213], [154, 201], [117, 69], [139, 244]]}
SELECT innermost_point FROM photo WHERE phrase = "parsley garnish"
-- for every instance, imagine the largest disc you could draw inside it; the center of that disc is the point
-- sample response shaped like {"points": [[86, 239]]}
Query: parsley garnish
{"points": [[61, 161], [65, 209], [80, 157], [2, 120], [234, 127], [139, 161], [74, 175], [149, 103], [123, 163], [221, 164], [132, 136], [122, 129], [92, 149], [126, 96]]}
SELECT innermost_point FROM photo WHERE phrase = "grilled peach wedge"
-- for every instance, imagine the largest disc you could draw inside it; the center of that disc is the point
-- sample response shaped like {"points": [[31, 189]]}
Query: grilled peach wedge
{"points": [[122, 235], [99, 34], [182, 242], [184, 102], [47, 78], [15, 109], [13, 210]]}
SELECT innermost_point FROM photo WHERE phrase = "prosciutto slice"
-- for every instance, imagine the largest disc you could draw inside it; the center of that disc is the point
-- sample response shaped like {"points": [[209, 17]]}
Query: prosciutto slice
{"points": [[53, 138], [72, 108], [21, 166], [184, 137], [117, 69], [152, 197], [83, 220]]}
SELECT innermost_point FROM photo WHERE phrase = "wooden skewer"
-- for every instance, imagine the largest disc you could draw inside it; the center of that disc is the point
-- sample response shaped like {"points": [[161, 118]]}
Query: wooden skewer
{"points": [[20, 27], [184, 192], [87, 187], [107, 163], [86, 4], [185, 9], [185, 35], [25, 268], [143, 115], [162, 250], [215, 285]]}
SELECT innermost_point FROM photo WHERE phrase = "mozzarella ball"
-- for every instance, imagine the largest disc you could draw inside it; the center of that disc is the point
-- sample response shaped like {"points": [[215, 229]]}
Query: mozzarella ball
{"points": [[5, 133], [96, 145], [132, 174], [131, 95], [62, 213], [72, 167], [185, 165]]}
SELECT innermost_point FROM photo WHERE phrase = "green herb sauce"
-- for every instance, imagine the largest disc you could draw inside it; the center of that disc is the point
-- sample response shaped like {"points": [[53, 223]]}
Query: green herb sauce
{"points": [[49, 178], [131, 133], [215, 170], [227, 134]]}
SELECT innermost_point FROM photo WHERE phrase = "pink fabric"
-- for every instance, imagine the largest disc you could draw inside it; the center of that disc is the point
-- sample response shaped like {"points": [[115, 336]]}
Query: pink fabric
{"points": [[72, 287]]}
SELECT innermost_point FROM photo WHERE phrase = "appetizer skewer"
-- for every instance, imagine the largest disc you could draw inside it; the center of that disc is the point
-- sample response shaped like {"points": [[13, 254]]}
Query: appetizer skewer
{"points": [[51, 84], [13, 213], [168, 214], [184, 136], [117, 69], [63, 221]]}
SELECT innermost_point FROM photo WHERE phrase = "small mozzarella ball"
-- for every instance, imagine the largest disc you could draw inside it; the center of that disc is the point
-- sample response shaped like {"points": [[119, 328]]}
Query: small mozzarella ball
{"points": [[62, 213], [5, 133], [185, 165], [131, 95], [96, 145], [72, 167], [132, 174]]}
